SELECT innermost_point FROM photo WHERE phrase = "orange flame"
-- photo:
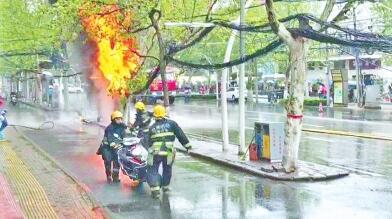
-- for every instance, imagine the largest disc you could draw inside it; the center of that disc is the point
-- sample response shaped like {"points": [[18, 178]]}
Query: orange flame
{"points": [[116, 54]]}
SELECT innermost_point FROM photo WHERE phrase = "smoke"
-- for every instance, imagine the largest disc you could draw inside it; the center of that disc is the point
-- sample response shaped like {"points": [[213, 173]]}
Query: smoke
{"points": [[97, 90]]}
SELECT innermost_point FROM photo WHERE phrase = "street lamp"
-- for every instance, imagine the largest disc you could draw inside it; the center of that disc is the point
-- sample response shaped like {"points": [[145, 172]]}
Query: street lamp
{"points": [[216, 81], [230, 43]]}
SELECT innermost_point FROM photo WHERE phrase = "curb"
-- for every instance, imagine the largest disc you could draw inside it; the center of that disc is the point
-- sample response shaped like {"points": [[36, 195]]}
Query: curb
{"points": [[253, 171], [97, 206], [350, 134], [37, 106], [259, 173]]}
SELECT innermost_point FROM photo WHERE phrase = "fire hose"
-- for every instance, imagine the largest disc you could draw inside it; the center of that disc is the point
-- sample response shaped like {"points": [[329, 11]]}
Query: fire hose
{"points": [[49, 124]]}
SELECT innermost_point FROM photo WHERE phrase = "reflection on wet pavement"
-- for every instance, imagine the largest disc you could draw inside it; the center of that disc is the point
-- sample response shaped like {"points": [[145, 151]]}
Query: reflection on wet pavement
{"points": [[204, 190]]}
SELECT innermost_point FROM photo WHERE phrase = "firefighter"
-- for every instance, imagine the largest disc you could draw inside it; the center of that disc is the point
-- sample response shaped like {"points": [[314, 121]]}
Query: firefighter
{"points": [[143, 120], [161, 150], [112, 140]]}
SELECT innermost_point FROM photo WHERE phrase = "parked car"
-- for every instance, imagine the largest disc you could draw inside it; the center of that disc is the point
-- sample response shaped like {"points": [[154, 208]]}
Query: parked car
{"points": [[233, 94], [75, 89]]}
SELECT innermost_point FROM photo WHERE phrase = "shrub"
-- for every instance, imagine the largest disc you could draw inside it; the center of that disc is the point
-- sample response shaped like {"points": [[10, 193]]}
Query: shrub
{"points": [[309, 101]]}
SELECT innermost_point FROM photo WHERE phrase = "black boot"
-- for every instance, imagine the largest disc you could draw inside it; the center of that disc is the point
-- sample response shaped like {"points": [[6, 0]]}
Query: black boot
{"points": [[116, 178], [156, 194], [108, 177]]}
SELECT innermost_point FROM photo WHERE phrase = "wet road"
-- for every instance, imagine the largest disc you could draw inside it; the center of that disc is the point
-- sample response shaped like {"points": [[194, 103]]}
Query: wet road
{"points": [[204, 190], [355, 154], [208, 116]]}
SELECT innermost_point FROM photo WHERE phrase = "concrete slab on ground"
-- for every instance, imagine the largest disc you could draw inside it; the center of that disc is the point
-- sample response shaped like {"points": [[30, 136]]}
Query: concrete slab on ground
{"points": [[306, 171]]}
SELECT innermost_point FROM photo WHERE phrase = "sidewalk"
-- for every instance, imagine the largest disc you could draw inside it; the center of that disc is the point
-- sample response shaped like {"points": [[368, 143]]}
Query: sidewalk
{"points": [[8, 204], [212, 150], [32, 186], [307, 171]]}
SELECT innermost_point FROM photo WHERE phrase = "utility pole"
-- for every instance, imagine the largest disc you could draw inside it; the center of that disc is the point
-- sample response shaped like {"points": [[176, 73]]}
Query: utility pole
{"points": [[327, 70], [256, 81], [64, 72], [225, 72], [216, 86], [357, 65], [242, 147], [216, 74]]}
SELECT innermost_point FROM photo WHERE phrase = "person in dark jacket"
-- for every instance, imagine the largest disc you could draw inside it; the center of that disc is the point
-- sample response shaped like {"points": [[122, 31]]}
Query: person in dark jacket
{"points": [[112, 140], [142, 122], [162, 135], [3, 123]]}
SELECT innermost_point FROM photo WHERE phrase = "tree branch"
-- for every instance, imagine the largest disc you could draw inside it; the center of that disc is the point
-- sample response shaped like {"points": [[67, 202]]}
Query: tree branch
{"points": [[208, 16], [263, 51], [276, 26], [151, 78], [200, 36]]}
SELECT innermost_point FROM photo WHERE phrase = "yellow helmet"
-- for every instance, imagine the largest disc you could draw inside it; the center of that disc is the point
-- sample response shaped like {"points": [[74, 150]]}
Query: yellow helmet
{"points": [[116, 114], [140, 106], [159, 111]]}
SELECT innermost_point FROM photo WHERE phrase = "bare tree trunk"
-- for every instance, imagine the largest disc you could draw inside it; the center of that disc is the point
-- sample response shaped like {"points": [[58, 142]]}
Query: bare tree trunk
{"points": [[162, 54], [162, 66], [65, 90], [294, 105], [39, 89]]}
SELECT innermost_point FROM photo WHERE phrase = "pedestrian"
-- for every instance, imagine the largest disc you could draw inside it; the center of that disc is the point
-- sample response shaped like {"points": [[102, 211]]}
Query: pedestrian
{"points": [[50, 95], [142, 122], [161, 150], [2, 102], [4, 123], [187, 93], [324, 91], [111, 142]]}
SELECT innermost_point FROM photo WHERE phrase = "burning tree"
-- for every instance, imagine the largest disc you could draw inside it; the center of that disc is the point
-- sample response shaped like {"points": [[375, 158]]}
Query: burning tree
{"points": [[116, 55]]}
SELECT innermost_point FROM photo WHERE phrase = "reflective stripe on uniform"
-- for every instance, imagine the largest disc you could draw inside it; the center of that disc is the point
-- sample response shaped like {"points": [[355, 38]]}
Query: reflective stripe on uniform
{"points": [[155, 188], [163, 153], [163, 134], [156, 148], [160, 143]]}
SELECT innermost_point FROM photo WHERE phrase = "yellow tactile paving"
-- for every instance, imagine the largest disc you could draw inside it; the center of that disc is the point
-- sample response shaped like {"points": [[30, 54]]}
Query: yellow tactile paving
{"points": [[32, 197]]}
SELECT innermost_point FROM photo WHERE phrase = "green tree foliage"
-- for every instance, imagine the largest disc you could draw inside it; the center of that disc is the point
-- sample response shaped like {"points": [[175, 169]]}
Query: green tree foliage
{"points": [[384, 11], [25, 35]]}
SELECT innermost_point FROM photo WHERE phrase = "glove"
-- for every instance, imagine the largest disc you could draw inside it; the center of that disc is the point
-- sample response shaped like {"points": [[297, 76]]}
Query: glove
{"points": [[115, 146], [118, 146], [188, 148]]}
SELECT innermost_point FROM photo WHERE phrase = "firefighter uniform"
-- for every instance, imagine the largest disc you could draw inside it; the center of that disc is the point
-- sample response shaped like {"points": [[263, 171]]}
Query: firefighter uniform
{"points": [[112, 140], [161, 150], [142, 122]]}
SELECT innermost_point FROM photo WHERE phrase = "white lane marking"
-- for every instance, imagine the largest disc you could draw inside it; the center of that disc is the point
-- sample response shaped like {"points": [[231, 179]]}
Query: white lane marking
{"points": [[260, 119], [356, 170], [253, 118], [320, 139], [318, 126], [192, 111], [306, 116]]}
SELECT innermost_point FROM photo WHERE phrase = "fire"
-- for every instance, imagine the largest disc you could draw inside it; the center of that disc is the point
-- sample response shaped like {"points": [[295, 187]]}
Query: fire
{"points": [[116, 52]]}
